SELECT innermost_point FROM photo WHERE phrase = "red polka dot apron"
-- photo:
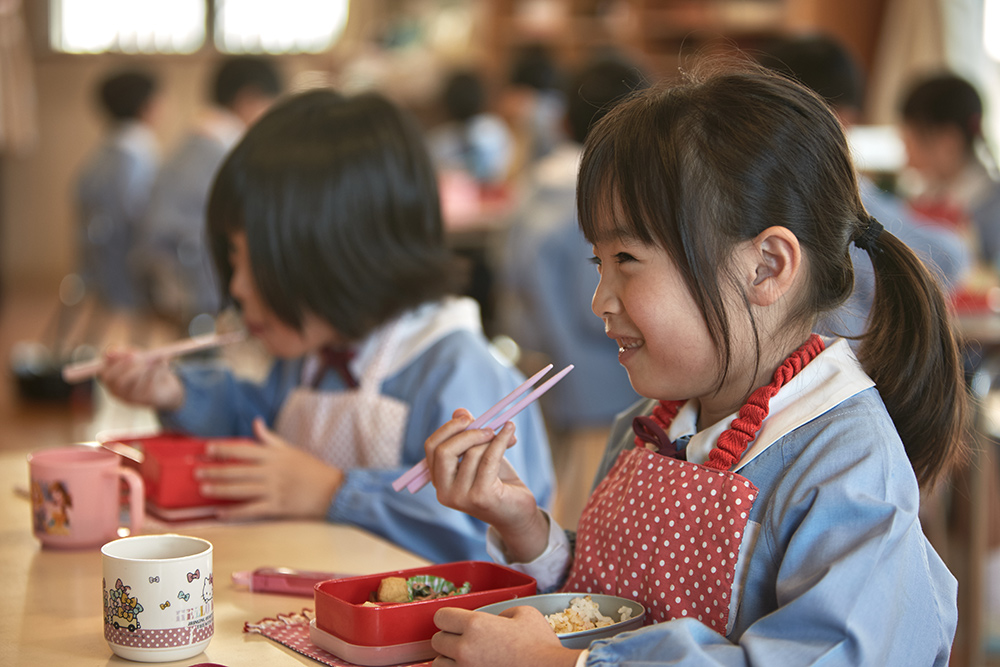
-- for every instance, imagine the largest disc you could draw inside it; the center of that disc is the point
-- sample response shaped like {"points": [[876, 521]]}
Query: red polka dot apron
{"points": [[667, 532]]}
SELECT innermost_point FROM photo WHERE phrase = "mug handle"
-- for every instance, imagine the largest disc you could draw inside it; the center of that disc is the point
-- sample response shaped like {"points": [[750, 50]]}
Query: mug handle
{"points": [[136, 498]]}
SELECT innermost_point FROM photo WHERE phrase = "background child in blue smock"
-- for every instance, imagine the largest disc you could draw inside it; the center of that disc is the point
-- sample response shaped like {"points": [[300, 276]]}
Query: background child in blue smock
{"points": [[326, 228], [762, 503], [951, 174], [113, 190], [176, 259]]}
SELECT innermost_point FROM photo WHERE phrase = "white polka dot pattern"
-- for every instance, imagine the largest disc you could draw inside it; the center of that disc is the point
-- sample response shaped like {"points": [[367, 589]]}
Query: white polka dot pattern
{"points": [[665, 533], [168, 638]]}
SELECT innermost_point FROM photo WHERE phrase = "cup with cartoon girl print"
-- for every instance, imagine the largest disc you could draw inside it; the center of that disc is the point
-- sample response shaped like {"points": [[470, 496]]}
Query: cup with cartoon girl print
{"points": [[157, 596], [75, 496]]}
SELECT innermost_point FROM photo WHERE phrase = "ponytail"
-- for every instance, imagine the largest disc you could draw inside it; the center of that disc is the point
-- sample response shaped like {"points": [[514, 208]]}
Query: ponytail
{"points": [[911, 353]]}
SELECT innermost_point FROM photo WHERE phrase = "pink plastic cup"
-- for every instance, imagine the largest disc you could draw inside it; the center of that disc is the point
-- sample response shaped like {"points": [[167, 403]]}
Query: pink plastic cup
{"points": [[76, 499]]}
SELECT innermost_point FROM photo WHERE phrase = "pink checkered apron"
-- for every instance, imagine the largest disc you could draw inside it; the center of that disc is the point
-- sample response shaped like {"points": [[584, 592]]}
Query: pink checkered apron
{"points": [[357, 427]]}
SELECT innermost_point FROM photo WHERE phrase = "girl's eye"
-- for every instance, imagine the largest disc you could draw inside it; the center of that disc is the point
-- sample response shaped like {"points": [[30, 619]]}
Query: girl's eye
{"points": [[623, 257], [596, 261]]}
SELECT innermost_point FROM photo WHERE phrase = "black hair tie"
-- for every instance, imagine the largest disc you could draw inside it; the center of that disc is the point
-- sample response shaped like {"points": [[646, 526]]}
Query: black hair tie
{"points": [[868, 239]]}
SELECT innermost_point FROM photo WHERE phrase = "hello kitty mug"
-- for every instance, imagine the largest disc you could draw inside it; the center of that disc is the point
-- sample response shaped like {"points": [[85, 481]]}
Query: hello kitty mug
{"points": [[158, 592], [76, 499]]}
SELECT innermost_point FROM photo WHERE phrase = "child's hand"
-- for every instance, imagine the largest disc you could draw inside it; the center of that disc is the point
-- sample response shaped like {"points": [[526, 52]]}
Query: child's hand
{"points": [[275, 478], [142, 381], [470, 473], [518, 636]]}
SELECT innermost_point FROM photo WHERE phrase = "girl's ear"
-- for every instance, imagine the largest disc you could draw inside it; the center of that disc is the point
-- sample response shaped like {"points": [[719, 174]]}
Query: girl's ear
{"points": [[775, 261]]}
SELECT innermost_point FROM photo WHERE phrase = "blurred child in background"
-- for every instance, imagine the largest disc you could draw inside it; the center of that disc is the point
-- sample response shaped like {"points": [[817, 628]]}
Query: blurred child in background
{"points": [[533, 103], [113, 190], [952, 176], [175, 253], [826, 66], [473, 141]]}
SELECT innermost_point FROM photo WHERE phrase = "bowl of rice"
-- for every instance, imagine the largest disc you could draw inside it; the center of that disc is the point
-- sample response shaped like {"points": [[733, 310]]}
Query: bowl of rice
{"points": [[580, 618]]}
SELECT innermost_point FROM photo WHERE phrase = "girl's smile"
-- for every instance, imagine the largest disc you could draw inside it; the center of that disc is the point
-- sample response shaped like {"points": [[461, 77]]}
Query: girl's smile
{"points": [[626, 346], [647, 310]]}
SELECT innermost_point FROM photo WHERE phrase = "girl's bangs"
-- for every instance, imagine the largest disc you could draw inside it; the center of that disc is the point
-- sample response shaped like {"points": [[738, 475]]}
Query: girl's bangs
{"points": [[608, 207]]}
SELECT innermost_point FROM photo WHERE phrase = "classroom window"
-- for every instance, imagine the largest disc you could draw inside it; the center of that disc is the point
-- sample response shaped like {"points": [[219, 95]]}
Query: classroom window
{"points": [[289, 26], [991, 28], [127, 26], [179, 26]]}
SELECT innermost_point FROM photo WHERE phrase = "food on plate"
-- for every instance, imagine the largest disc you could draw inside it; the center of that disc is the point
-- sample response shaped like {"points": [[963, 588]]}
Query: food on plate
{"points": [[583, 614], [416, 588]]}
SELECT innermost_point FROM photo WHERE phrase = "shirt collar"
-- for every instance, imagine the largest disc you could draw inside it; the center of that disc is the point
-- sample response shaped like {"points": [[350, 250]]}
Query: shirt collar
{"points": [[828, 380], [416, 330]]}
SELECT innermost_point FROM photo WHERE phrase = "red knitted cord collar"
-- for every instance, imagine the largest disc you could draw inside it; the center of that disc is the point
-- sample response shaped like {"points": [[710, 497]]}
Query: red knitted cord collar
{"points": [[734, 440]]}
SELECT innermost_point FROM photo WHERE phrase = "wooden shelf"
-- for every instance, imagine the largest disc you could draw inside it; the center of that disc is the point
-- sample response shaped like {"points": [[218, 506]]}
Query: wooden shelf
{"points": [[658, 33]]}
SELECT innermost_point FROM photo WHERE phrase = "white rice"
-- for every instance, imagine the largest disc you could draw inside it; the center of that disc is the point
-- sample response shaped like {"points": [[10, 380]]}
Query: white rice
{"points": [[583, 614]]}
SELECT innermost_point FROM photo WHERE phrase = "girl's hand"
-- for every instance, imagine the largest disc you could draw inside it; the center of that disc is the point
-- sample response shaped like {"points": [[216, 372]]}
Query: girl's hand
{"points": [[518, 636], [276, 479], [135, 379], [470, 473]]}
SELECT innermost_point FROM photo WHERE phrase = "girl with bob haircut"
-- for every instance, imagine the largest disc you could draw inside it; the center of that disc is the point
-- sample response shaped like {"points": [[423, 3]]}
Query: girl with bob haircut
{"points": [[326, 227], [762, 501]]}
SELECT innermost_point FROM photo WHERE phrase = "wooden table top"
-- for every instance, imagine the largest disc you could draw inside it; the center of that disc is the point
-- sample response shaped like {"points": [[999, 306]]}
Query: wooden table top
{"points": [[52, 610]]}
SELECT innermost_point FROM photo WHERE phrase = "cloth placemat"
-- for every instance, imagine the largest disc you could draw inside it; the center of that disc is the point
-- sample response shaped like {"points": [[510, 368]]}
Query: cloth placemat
{"points": [[292, 630]]}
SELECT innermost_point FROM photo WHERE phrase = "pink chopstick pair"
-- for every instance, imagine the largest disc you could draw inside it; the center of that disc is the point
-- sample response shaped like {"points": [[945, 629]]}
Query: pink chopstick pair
{"points": [[419, 475]]}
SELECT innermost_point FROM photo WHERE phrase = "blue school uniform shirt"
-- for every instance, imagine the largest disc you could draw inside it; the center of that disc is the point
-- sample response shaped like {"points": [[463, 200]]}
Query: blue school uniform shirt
{"points": [[174, 241], [839, 571], [458, 370], [481, 147]]}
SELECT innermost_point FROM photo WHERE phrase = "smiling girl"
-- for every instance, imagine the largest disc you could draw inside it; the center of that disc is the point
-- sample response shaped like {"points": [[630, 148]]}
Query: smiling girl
{"points": [[326, 227], [762, 502]]}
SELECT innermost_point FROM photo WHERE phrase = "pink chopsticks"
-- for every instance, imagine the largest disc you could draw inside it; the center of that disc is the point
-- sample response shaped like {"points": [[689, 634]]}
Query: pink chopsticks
{"points": [[83, 370], [419, 475]]}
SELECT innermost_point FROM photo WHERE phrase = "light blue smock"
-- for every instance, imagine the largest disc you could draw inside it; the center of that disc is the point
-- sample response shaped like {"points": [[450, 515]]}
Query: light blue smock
{"points": [[459, 370], [840, 573]]}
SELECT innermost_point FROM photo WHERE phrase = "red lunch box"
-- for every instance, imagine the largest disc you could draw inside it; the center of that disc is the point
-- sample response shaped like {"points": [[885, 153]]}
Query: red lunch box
{"points": [[340, 608]]}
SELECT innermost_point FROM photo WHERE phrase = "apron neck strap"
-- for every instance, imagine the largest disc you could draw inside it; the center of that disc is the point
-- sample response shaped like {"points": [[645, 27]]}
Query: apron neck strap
{"points": [[734, 440], [337, 359]]}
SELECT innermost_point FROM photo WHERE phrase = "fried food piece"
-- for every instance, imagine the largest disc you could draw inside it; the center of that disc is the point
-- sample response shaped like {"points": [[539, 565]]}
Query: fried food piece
{"points": [[393, 589]]}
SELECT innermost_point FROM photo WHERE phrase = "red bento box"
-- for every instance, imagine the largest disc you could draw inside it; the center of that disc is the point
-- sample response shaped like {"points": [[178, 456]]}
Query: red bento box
{"points": [[340, 609], [167, 468]]}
